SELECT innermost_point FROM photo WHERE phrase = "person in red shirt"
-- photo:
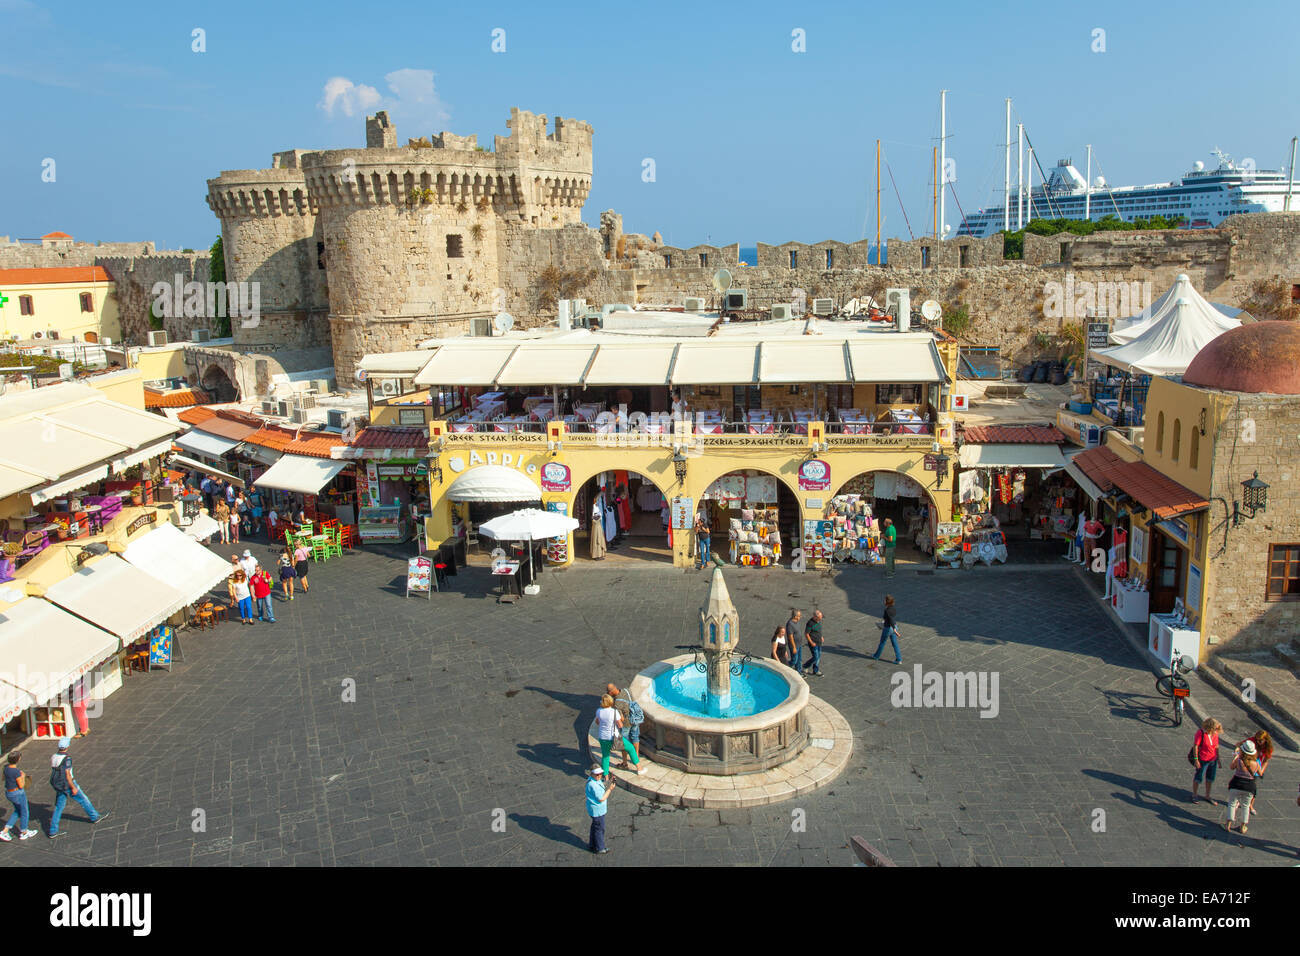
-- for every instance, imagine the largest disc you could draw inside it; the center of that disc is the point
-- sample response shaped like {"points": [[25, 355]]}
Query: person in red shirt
{"points": [[262, 585]]}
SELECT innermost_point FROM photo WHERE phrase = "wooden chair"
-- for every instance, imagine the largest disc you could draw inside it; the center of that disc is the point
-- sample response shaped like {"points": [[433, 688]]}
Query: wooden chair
{"points": [[274, 532], [319, 549], [347, 534], [204, 617], [219, 610]]}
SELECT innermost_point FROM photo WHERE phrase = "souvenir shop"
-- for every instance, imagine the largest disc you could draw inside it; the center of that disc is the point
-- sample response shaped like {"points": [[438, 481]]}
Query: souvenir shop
{"points": [[850, 531], [1008, 499], [633, 508], [392, 498], [751, 508]]}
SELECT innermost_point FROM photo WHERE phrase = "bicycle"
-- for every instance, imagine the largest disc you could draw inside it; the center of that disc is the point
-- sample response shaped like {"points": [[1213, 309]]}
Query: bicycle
{"points": [[1173, 686]]}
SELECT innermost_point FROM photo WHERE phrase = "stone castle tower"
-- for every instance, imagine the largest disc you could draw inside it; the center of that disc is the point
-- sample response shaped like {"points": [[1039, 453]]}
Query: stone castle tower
{"points": [[376, 249]]}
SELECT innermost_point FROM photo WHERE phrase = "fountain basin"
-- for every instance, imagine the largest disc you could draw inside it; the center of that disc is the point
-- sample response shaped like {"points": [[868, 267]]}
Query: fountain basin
{"points": [[697, 743]]}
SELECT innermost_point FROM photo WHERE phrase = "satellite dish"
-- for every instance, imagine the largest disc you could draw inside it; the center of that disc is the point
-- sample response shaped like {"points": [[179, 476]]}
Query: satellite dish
{"points": [[504, 322], [362, 375], [931, 310], [722, 280]]}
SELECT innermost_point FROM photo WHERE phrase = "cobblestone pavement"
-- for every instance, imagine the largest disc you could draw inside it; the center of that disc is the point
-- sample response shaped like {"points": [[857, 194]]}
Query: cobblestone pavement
{"points": [[465, 707]]}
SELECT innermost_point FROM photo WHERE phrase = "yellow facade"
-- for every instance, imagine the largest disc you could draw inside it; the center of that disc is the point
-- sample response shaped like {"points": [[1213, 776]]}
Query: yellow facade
{"points": [[155, 364], [58, 307], [708, 458]]}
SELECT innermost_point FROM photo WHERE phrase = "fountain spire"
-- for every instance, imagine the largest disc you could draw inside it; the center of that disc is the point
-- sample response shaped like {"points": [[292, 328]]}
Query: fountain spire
{"points": [[719, 635]]}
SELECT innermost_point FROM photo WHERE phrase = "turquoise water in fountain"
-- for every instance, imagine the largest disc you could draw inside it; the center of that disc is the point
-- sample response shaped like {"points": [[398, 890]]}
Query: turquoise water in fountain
{"points": [[685, 690]]}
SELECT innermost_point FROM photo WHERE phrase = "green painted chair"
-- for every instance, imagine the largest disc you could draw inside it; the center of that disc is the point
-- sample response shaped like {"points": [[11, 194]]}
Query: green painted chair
{"points": [[319, 549], [333, 544]]}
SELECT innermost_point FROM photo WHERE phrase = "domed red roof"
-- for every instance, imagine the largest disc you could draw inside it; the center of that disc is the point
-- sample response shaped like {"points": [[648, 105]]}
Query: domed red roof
{"points": [[1260, 357]]}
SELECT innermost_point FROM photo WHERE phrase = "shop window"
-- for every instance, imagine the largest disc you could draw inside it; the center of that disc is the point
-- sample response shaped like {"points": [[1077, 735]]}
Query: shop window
{"points": [[25, 306], [87, 302], [1283, 572], [1178, 439], [455, 247], [898, 394], [1194, 458], [1160, 434]]}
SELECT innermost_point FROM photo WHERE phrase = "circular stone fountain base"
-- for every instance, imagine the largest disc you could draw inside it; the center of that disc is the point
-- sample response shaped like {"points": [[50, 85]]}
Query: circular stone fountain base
{"points": [[830, 743]]}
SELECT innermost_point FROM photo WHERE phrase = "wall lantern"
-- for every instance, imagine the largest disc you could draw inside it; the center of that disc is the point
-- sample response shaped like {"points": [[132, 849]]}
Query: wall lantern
{"points": [[679, 465], [1254, 496]]}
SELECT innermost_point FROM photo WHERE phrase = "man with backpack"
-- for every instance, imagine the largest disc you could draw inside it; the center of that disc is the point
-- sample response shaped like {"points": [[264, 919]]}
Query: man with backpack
{"points": [[64, 784], [630, 728]]}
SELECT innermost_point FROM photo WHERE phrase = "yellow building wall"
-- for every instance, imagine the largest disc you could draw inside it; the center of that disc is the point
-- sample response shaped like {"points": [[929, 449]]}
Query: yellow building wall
{"points": [[57, 307], [588, 455], [126, 386], [1183, 409], [155, 364]]}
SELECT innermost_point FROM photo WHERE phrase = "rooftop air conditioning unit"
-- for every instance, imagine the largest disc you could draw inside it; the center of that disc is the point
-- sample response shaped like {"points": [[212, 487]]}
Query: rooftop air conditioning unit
{"points": [[322, 386], [782, 312], [306, 400], [270, 408], [106, 341], [296, 415], [200, 335], [898, 303], [388, 387], [481, 326], [736, 299], [52, 333], [337, 418], [65, 371], [693, 304], [157, 337], [282, 409], [823, 306]]}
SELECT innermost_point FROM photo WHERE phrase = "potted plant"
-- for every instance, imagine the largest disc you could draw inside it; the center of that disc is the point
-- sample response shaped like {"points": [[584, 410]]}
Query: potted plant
{"points": [[136, 495], [61, 528]]}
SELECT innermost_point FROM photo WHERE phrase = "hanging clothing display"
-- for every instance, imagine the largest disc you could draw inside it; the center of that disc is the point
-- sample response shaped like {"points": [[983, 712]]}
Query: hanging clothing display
{"points": [[969, 485], [1004, 489], [611, 520], [886, 485], [597, 529], [623, 505], [760, 489], [1018, 487], [648, 497]]}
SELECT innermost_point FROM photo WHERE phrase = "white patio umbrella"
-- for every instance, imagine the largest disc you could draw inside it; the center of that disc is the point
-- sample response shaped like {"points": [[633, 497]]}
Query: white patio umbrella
{"points": [[528, 524]]}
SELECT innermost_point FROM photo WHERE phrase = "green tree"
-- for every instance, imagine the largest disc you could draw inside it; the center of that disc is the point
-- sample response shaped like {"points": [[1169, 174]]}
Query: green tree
{"points": [[217, 273], [1013, 243]]}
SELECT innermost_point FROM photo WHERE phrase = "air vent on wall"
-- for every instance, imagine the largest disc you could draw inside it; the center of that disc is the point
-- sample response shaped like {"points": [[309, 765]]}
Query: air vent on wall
{"points": [[823, 306]]}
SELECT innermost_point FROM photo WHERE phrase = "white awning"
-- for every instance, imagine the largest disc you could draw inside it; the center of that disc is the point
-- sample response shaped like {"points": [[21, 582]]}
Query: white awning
{"points": [[184, 462], [395, 364], [493, 483], [118, 597], [267, 456], [202, 527], [176, 559], [13, 701], [14, 479], [618, 364], [547, 365], [883, 359], [1007, 455], [306, 476], [43, 650], [803, 360], [205, 443], [706, 363], [465, 364], [1083, 481]]}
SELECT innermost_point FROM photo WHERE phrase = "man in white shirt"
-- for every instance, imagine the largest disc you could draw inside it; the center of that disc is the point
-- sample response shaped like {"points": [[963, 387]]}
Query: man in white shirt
{"points": [[248, 563]]}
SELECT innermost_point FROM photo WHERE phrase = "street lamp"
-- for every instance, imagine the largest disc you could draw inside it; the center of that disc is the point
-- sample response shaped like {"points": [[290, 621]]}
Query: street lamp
{"points": [[940, 470], [679, 464], [1254, 495]]}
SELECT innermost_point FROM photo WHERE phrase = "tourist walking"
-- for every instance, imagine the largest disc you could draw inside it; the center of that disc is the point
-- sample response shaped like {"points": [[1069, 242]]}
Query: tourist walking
{"points": [[1205, 756], [598, 792], [889, 630], [248, 563], [65, 785], [300, 556], [243, 596], [1263, 754], [890, 536], [222, 514], [812, 635], [1242, 787], [262, 586], [287, 573], [630, 717], [232, 517], [792, 630], [16, 792], [607, 720]]}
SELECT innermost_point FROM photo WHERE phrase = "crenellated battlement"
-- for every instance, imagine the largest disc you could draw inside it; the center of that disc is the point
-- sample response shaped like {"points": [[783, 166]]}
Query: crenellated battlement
{"points": [[255, 193]]}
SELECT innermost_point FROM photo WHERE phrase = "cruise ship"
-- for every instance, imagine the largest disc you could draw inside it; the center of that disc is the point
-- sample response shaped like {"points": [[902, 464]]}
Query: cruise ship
{"points": [[1203, 197]]}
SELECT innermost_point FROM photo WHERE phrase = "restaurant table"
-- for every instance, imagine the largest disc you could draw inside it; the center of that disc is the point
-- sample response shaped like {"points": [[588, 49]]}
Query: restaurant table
{"points": [[801, 418], [486, 397], [461, 427], [587, 412], [513, 423], [507, 573], [543, 412], [532, 401], [760, 422], [908, 421], [93, 518]]}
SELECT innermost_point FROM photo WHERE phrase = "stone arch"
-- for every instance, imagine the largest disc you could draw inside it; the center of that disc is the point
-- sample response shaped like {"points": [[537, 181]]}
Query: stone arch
{"points": [[581, 540], [929, 495], [216, 381]]}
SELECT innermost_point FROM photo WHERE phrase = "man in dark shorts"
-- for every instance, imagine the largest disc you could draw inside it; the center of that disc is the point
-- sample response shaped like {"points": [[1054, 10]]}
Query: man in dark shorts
{"points": [[792, 632]]}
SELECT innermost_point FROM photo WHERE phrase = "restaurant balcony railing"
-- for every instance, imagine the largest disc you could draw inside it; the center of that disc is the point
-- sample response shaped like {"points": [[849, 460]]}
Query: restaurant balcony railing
{"points": [[726, 434]]}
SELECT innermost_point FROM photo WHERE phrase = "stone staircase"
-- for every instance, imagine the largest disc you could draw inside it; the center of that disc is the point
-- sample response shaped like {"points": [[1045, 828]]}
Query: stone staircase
{"points": [[1275, 675]]}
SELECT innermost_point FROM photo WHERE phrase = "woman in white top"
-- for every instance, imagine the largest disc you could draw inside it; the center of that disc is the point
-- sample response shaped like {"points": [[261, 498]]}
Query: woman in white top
{"points": [[607, 724], [243, 597], [780, 649]]}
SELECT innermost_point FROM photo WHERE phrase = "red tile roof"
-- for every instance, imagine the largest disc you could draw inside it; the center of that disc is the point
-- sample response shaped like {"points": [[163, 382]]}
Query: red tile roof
{"points": [[272, 437], [218, 424], [1150, 488], [1014, 434], [314, 444], [388, 436], [193, 416], [177, 398], [53, 275], [56, 235]]}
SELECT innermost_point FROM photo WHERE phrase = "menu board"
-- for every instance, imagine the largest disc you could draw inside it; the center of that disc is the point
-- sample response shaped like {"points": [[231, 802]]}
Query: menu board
{"points": [[160, 647], [419, 576], [683, 512], [557, 548]]}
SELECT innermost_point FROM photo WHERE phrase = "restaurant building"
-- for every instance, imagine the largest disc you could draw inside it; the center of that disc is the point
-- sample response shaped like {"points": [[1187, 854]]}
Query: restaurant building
{"points": [[770, 429]]}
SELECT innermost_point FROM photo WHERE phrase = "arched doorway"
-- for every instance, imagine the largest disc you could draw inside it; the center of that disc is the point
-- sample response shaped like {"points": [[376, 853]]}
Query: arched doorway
{"points": [[900, 498], [217, 383], [750, 501], [638, 520]]}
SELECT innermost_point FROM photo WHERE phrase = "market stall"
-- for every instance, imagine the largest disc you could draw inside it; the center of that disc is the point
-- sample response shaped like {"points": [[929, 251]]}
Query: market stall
{"points": [[748, 505]]}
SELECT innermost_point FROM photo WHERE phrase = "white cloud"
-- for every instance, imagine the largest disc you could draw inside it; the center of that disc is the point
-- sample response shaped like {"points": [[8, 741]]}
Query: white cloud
{"points": [[414, 101], [341, 93]]}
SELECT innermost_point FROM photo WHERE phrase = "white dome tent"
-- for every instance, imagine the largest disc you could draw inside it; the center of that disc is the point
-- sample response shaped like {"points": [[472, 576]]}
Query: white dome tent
{"points": [[1168, 346], [1128, 329]]}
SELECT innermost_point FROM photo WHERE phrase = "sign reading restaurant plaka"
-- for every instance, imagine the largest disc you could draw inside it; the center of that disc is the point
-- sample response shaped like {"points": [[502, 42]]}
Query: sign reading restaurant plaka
{"points": [[814, 475], [555, 477]]}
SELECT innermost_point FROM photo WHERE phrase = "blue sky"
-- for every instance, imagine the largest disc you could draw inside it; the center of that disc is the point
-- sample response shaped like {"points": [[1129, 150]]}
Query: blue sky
{"points": [[751, 140]]}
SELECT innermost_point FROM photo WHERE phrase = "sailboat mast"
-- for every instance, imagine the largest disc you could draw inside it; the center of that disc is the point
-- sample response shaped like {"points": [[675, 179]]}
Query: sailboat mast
{"points": [[879, 260], [1020, 175], [935, 163], [943, 158], [1087, 193], [1290, 179], [1006, 175]]}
